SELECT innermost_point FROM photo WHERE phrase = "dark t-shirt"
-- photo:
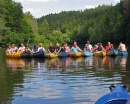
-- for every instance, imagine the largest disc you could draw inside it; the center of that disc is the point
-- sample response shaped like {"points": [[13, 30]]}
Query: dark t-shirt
{"points": [[51, 49]]}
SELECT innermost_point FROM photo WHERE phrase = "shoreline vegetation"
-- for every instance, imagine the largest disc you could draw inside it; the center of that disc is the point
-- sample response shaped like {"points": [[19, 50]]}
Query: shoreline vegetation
{"points": [[101, 24]]}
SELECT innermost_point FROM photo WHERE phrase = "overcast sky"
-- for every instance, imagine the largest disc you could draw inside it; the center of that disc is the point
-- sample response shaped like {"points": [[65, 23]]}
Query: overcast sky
{"points": [[39, 8]]}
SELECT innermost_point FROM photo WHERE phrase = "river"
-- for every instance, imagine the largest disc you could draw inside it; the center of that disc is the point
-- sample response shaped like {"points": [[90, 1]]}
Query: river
{"points": [[60, 80]]}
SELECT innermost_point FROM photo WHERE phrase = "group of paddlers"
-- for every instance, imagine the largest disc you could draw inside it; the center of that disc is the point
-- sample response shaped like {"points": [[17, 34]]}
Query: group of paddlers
{"points": [[56, 49]]}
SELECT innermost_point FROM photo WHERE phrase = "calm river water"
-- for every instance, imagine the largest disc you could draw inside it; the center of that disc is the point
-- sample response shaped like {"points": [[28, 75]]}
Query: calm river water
{"points": [[60, 80]]}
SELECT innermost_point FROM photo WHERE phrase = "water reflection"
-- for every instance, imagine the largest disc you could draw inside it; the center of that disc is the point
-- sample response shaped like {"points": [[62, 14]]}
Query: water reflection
{"points": [[122, 61], [54, 80], [18, 64]]}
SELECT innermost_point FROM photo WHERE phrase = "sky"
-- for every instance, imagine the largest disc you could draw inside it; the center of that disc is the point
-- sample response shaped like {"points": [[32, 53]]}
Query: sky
{"points": [[39, 8]]}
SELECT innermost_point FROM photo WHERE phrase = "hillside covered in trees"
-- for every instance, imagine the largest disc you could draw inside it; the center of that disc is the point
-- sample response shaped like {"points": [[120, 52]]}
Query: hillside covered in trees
{"points": [[101, 24]]}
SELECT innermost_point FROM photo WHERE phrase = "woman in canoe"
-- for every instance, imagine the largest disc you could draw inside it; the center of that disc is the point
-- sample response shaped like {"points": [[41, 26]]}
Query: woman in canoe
{"points": [[67, 48], [8, 50], [21, 48], [51, 49], [63, 48], [100, 47], [122, 47], [41, 48], [14, 49], [109, 47]]}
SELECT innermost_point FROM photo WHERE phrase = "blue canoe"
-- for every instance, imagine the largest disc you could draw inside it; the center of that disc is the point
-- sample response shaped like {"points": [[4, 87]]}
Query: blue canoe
{"points": [[39, 54], [118, 95], [121, 53], [87, 53], [64, 54]]}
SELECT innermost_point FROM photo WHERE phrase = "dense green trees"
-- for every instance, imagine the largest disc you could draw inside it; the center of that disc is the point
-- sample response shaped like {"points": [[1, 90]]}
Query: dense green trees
{"points": [[101, 24]]}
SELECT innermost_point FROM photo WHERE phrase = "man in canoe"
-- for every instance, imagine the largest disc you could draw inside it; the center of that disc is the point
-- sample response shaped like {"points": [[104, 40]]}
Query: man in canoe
{"points": [[122, 47], [57, 48], [109, 47], [51, 49], [89, 46], [34, 48], [75, 48]]}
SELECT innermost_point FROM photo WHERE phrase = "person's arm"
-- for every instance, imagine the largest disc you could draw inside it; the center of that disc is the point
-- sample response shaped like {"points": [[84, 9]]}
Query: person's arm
{"points": [[59, 50]]}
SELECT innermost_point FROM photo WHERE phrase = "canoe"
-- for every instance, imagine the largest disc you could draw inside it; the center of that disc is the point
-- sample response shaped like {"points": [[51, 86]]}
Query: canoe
{"points": [[87, 53], [51, 55], [121, 53], [39, 54], [118, 95], [14, 55], [76, 54], [64, 54], [100, 53], [26, 55], [110, 53]]}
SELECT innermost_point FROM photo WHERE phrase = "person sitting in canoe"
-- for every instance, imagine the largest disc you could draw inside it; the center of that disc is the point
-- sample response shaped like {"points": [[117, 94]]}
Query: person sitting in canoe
{"points": [[57, 48], [122, 47], [86, 48], [75, 48], [14, 49], [109, 47], [95, 48], [100, 47], [89, 46], [34, 48], [63, 48], [51, 49], [67, 48], [8, 50], [41, 48], [21, 48], [27, 49]]}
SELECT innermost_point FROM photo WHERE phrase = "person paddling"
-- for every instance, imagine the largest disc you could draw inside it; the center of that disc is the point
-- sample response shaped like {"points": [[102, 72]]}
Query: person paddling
{"points": [[109, 47], [122, 47]]}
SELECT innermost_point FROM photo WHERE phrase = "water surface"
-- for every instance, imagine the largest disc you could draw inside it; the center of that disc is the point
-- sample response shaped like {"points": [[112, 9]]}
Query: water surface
{"points": [[60, 80]]}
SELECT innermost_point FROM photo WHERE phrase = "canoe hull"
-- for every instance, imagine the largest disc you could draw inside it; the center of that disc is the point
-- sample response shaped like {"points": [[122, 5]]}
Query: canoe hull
{"points": [[39, 54], [14, 55], [100, 53], [120, 53], [51, 55], [64, 54], [76, 54], [26, 55], [86, 53]]}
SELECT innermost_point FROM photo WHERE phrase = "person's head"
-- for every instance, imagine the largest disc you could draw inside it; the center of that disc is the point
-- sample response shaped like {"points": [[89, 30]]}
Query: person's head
{"points": [[26, 46], [95, 46], [100, 44], [88, 42], [63, 45], [57, 44], [40, 44], [108, 43], [51, 44], [22, 44], [75, 45], [13, 45]]}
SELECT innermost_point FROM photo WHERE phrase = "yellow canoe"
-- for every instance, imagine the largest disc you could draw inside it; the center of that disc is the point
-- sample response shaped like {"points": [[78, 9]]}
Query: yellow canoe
{"points": [[13, 55], [51, 55], [100, 53], [76, 54]]}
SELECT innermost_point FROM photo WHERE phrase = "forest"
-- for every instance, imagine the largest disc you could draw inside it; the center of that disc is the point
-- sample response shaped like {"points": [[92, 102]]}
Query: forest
{"points": [[101, 24]]}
